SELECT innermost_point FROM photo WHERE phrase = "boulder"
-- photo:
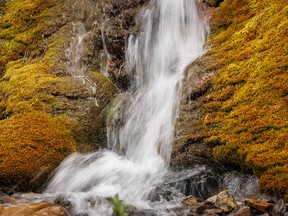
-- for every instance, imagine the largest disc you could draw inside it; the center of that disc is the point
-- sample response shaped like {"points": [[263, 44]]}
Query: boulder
{"points": [[33, 209], [259, 206], [211, 200], [212, 212], [244, 211], [279, 207], [225, 201]]}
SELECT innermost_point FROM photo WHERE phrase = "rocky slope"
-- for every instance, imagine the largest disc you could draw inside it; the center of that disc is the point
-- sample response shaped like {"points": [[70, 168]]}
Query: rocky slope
{"points": [[53, 93], [240, 103]]}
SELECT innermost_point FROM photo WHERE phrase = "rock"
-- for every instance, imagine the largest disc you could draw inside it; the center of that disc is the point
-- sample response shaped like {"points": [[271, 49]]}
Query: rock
{"points": [[212, 212], [265, 214], [260, 206], [244, 211], [144, 212], [34, 145], [225, 201], [213, 3], [190, 147], [190, 201], [33, 209], [202, 208], [201, 183], [211, 200], [279, 207]]}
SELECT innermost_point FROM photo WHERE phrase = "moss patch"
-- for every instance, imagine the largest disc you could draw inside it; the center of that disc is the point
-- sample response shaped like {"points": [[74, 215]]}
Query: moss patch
{"points": [[32, 144], [25, 27], [247, 108]]}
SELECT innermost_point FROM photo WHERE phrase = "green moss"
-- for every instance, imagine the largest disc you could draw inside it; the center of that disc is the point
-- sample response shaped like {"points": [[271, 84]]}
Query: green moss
{"points": [[248, 109], [32, 143]]}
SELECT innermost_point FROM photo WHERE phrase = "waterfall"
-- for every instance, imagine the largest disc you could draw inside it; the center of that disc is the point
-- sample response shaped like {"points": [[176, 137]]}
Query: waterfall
{"points": [[140, 137]]}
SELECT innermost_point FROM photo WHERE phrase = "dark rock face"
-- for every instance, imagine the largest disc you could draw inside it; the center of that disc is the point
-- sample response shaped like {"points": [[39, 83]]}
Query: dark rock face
{"points": [[200, 182], [213, 3], [189, 147], [118, 20]]}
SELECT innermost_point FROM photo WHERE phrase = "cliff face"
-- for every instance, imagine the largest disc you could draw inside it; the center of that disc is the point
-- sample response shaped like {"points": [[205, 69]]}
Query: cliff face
{"points": [[243, 108], [53, 93]]}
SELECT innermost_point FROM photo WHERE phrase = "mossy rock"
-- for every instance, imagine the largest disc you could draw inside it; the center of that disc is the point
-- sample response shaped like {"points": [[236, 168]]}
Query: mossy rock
{"points": [[32, 145], [246, 109]]}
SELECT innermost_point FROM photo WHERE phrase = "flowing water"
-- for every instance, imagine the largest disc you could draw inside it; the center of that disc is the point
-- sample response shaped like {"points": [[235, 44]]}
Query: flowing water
{"points": [[74, 65], [140, 136]]}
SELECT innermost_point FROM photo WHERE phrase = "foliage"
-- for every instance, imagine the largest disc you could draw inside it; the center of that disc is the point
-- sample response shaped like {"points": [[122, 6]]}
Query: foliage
{"points": [[32, 144], [118, 207], [247, 106]]}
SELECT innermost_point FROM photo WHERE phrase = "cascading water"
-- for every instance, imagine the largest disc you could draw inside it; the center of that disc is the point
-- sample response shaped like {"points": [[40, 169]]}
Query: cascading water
{"points": [[140, 146], [74, 53]]}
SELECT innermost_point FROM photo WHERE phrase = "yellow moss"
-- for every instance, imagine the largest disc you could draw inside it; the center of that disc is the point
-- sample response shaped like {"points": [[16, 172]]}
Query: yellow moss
{"points": [[30, 143], [248, 109], [26, 87], [23, 27], [105, 89]]}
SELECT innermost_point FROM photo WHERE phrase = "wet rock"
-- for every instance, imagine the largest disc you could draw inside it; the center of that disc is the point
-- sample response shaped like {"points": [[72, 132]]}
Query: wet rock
{"points": [[200, 182], [118, 21], [144, 212], [244, 211], [190, 201], [211, 200], [12, 200], [212, 212], [279, 208], [225, 201], [259, 206], [189, 146], [28, 209], [200, 210]]}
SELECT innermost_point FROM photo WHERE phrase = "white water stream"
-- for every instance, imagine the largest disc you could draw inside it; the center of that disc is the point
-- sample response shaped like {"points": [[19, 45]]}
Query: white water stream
{"points": [[173, 35]]}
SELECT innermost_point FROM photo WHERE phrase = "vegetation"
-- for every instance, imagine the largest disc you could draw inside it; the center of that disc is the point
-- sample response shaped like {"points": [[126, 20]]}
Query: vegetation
{"points": [[41, 104], [246, 110], [118, 207], [32, 144], [23, 28]]}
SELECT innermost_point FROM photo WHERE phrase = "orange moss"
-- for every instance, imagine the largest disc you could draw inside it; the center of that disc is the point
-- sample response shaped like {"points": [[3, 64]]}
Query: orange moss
{"points": [[32, 143], [247, 105]]}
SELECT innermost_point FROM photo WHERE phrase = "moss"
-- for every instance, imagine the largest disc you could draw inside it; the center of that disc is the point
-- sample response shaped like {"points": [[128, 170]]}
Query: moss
{"points": [[104, 87], [24, 27], [31, 143], [246, 109]]}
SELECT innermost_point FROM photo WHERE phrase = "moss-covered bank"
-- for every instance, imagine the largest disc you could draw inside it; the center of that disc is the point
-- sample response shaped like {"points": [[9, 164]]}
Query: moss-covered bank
{"points": [[46, 113], [32, 144], [246, 108]]}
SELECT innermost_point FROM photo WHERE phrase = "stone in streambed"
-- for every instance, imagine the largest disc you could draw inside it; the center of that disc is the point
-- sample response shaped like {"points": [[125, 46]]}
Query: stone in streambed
{"points": [[34, 209], [260, 206], [279, 207], [225, 201], [212, 212], [244, 211]]}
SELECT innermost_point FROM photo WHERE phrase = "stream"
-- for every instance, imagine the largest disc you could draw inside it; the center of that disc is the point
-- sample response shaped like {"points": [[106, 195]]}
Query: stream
{"points": [[135, 164]]}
